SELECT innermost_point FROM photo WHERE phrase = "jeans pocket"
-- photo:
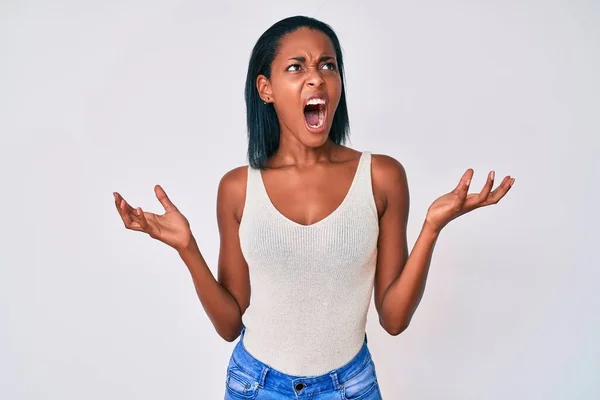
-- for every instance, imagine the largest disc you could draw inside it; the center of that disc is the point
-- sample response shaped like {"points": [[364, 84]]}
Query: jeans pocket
{"points": [[361, 385], [240, 384]]}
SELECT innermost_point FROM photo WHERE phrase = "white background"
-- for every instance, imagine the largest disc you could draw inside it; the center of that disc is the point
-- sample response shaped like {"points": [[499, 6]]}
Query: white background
{"points": [[97, 97]]}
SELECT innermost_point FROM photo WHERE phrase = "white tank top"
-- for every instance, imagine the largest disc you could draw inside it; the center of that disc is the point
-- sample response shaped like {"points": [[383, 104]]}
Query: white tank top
{"points": [[311, 285]]}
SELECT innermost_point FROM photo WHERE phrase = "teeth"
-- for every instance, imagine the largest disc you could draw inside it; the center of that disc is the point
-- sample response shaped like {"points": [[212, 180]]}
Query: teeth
{"points": [[316, 100], [321, 102]]}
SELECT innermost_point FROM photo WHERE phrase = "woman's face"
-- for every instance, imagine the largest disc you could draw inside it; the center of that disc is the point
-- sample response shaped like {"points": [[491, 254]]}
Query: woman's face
{"points": [[305, 86]]}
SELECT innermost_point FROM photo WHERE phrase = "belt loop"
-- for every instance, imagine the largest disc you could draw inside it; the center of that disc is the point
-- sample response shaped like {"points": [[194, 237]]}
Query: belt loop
{"points": [[336, 382], [263, 376]]}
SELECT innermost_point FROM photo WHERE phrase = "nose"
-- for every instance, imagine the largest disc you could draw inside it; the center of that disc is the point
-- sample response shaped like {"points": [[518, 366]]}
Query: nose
{"points": [[314, 78]]}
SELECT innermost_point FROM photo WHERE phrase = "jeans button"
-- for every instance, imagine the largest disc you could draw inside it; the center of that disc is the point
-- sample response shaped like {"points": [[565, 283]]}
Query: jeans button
{"points": [[300, 386]]}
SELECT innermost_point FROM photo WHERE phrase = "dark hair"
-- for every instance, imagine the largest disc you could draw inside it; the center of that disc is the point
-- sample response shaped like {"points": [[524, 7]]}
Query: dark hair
{"points": [[261, 119]]}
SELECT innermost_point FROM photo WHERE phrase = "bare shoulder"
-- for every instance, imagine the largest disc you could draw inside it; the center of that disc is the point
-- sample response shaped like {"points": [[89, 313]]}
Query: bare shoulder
{"points": [[387, 168], [389, 179], [232, 191]]}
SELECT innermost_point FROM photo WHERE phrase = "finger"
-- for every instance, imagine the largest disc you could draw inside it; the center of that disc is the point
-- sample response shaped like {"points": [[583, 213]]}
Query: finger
{"points": [[465, 181], [116, 196], [463, 185], [500, 191], [477, 200], [118, 201], [164, 199], [130, 218], [125, 213], [124, 206], [142, 219], [487, 188]]}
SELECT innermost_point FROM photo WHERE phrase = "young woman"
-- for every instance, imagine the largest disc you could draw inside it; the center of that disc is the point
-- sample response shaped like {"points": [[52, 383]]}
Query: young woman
{"points": [[308, 229]]}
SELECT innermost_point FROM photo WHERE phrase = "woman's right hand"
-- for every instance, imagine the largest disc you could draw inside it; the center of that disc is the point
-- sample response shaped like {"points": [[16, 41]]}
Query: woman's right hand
{"points": [[171, 228]]}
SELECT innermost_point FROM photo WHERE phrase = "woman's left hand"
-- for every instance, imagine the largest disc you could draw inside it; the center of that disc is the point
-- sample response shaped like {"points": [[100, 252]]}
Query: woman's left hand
{"points": [[459, 202]]}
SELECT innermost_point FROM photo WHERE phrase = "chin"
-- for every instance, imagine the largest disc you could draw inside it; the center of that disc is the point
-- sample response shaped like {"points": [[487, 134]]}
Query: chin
{"points": [[312, 139]]}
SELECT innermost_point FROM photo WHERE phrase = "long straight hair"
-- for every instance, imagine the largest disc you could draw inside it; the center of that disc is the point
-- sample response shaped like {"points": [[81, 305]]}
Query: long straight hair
{"points": [[261, 119]]}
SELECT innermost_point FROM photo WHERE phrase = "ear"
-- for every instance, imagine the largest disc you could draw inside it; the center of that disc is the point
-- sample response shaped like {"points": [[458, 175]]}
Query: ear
{"points": [[264, 88]]}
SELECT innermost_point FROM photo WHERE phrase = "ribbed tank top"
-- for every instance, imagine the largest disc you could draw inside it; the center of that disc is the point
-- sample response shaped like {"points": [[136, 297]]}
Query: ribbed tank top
{"points": [[311, 285]]}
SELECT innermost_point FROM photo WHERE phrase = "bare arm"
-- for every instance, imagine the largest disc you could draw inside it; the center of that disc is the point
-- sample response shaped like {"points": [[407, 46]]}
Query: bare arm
{"points": [[220, 306], [400, 279], [224, 300], [401, 276], [390, 184]]}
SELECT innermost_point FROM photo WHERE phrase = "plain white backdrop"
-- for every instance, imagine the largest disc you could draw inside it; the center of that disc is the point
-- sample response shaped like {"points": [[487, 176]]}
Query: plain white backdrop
{"points": [[97, 97]]}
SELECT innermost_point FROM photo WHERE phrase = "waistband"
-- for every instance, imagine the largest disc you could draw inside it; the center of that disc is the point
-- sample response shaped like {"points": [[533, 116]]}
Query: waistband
{"points": [[269, 377]]}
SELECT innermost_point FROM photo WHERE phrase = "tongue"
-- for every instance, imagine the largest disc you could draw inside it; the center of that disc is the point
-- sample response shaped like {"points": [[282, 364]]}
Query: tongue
{"points": [[312, 117]]}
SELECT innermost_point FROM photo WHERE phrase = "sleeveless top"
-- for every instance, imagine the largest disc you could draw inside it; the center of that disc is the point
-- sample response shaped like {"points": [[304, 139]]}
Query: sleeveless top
{"points": [[311, 285]]}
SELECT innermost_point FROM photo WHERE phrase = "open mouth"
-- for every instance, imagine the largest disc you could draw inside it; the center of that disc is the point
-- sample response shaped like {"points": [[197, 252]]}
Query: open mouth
{"points": [[314, 113]]}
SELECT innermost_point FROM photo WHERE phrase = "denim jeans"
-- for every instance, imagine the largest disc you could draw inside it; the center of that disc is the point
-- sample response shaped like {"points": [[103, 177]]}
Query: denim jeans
{"points": [[249, 378]]}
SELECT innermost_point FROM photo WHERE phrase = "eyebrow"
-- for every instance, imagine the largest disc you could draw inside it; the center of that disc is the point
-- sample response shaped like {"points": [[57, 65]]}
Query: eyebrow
{"points": [[303, 59]]}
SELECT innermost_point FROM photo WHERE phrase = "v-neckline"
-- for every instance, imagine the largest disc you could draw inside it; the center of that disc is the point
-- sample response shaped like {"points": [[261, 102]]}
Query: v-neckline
{"points": [[328, 216]]}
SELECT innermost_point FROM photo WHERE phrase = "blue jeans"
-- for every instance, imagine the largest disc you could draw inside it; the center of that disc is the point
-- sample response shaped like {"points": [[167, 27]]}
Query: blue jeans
{"points": [[249, 378]]}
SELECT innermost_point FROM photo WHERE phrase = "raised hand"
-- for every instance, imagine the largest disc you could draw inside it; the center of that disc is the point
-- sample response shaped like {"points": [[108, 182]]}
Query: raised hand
{"points": [[458, 202], [171, 228]]}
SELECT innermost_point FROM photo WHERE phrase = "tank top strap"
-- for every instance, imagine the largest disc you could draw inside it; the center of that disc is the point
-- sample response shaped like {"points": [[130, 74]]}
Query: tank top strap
{"points": [[254, 191], [363, 193]]}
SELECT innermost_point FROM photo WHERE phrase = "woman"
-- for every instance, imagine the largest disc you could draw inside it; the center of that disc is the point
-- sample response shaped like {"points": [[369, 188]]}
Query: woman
{"points": [[314, 226]]}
